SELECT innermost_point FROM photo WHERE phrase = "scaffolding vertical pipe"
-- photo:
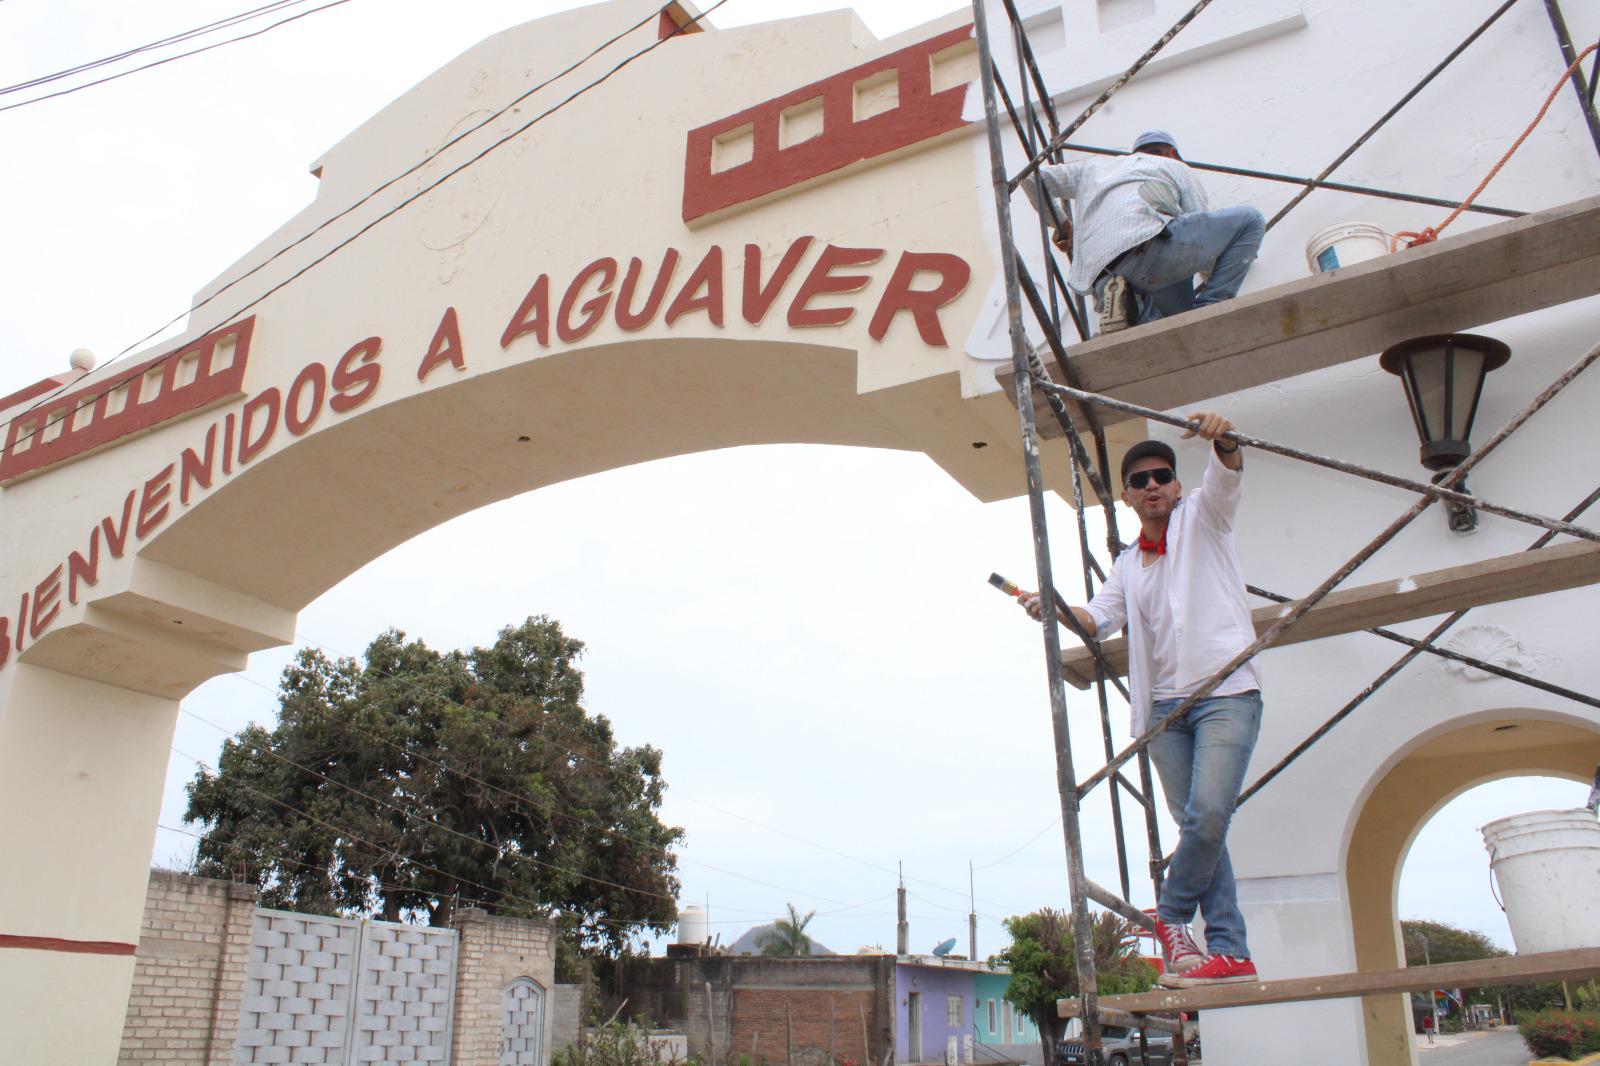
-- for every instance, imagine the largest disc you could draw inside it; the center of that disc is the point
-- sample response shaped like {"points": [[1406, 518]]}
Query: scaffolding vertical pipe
{"points": [[1088, 979], [1030, 80], [1569, 58]]}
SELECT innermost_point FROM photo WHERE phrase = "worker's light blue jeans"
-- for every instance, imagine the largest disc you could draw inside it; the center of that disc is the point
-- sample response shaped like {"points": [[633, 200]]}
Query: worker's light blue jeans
{"points": [[1202, 759], [1225, 241]]}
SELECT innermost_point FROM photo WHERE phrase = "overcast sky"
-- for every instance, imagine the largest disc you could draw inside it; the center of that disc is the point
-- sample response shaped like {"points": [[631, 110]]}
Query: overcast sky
{"points": [[804, 631]]}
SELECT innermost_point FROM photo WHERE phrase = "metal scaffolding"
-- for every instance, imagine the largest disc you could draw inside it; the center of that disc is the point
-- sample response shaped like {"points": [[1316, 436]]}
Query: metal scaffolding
{"points": [[1027, 108]]}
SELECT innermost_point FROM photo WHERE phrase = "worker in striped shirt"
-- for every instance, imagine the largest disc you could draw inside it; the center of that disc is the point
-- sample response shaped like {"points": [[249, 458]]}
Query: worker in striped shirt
{"points": [[1143, 230]]}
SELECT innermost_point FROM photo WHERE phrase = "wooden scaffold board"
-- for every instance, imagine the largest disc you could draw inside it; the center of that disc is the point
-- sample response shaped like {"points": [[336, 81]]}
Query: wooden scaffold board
{"points": [[1506, 577]]}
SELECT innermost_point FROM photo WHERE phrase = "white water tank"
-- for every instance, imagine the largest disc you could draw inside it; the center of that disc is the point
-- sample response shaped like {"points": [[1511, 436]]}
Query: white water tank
{"points": [[692, 925]]}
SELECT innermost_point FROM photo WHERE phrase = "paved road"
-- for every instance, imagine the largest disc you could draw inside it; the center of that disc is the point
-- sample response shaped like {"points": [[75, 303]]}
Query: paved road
{"points": [[1498, 1047]]}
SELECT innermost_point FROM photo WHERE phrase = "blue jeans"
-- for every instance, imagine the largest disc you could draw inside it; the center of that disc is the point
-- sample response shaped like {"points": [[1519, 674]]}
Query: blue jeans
{"points": [[1225, 241], [1202, 759]]}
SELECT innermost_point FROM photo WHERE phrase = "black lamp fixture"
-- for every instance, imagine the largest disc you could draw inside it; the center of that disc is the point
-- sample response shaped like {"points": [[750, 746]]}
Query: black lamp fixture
{"points": [[1443, 378]]}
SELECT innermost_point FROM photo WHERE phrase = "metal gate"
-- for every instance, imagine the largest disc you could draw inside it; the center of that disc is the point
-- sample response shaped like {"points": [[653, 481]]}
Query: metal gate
{"points": [[337, 990], [522, 1023]]}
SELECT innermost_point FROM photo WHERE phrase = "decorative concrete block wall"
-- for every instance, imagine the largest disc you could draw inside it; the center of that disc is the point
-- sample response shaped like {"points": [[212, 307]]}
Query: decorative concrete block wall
{"points": [[500, 958], [337, 990], [189, 972], [218, 981]]}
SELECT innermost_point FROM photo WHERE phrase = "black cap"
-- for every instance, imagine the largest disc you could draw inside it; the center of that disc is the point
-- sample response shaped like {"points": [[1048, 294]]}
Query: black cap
{"points": [[1144, 450]]}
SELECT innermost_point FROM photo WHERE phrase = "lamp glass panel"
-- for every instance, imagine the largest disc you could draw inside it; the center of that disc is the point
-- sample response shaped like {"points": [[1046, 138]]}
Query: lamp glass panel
{"points": [[1430, 371], [1468, 384]]}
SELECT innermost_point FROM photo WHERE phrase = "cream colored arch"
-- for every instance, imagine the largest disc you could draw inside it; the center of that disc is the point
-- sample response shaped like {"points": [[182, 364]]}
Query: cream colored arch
{"points": [[1461, 755]]}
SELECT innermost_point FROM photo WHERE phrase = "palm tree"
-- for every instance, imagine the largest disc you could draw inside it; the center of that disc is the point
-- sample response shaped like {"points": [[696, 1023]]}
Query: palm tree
{"points": [[787, 935]]}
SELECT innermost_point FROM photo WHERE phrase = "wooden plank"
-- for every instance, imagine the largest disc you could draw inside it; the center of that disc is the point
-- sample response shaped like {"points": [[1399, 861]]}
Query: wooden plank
{"points": [[1505, 577], [1448, 286], [1480, 973]]}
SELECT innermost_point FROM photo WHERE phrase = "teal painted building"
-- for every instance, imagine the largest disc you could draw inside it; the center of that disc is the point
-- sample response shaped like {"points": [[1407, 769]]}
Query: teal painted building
{"points": [[998, 1025]]}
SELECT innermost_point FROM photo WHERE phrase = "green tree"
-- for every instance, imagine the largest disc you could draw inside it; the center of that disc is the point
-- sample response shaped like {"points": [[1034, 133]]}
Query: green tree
{"points": [[1440, 942], [787, 935], [419, 781], [1044, 966]]}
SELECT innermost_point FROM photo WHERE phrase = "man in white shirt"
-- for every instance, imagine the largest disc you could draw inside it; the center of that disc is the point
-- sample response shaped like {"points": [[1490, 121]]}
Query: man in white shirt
{"points": [[1181, 594], [1144, 229]]}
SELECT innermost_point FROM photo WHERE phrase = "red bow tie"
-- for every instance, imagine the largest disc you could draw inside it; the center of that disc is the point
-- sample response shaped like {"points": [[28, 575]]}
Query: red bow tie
{"points": [[1157, 546]]}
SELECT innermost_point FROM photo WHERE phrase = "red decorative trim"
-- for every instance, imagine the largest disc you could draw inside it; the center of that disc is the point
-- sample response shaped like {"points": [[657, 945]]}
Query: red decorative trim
{"points": [[37, 389], [72, 947], [919, 115], [77, 423]]}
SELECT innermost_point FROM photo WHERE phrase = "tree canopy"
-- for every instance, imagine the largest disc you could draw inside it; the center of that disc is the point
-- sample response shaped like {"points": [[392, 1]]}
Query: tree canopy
{"points": [[788, 935], [419, 781], [1044, 965]]}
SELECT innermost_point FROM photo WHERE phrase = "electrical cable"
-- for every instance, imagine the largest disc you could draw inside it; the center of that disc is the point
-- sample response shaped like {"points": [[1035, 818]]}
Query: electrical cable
{"points": [[198, 31], [379, 849], [171, 59], [515, 798], [113, 385], [603, 762]]}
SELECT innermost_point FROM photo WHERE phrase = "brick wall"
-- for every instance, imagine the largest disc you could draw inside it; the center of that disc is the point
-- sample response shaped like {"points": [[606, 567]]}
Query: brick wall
{"points": [[817, 1005], [816, 1025], [494, 952], [188, 972]]}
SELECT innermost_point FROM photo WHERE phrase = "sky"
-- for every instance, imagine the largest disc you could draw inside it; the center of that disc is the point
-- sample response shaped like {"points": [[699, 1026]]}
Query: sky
{"points": [[805, 631]]}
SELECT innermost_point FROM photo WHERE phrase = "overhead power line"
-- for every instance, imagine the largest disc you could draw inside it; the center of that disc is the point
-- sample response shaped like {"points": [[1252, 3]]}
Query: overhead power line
{"points": [[198, 31], [113, 384], [171, 59]]}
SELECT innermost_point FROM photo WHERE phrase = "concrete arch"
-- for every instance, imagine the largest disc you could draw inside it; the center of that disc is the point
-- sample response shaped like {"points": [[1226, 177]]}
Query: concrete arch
{"points": [[1435, 769], [363, 486]]}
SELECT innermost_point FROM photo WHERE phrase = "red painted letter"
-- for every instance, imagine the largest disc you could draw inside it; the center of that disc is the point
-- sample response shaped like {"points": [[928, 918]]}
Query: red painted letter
{"points": [[898, 295], [86, 569], [708, 274], [445, 347], [627, 319], [193, 469], [533, 315], [117, 536], [152, 502], [820, 281], [354, 384], [758, 299], [270, 400], [315, 376], [594, 309], [45, 593]]}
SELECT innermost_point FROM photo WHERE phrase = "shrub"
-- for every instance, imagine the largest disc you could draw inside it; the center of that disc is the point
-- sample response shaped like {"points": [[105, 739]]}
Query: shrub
{"points": [[1560, 1034]]}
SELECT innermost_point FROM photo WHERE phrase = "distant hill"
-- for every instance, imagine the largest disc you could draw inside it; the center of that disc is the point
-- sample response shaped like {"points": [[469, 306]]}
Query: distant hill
{"points": [[750, 942]]}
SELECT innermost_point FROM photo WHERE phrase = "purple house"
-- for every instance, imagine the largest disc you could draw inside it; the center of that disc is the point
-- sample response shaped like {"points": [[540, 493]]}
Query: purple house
{"points": [[934, 1004]]}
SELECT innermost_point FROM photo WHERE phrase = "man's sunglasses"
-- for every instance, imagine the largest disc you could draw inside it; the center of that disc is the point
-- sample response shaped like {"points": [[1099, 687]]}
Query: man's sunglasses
{"points": [[1163, 475]]}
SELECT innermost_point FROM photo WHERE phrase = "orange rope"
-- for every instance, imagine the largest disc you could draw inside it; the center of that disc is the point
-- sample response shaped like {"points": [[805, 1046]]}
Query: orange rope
{"points": [[1431, 233]]}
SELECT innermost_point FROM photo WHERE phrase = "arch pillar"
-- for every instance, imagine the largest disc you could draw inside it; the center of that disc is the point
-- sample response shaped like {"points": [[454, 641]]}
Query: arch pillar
{"points": [[86, 723]]}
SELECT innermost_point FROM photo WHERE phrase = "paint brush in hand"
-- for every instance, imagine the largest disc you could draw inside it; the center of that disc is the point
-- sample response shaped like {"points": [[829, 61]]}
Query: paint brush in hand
{"points": [[1008, 587]]}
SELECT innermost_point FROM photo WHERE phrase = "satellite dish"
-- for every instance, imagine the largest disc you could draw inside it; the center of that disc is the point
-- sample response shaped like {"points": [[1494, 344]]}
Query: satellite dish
{"points": [[945, 947]]}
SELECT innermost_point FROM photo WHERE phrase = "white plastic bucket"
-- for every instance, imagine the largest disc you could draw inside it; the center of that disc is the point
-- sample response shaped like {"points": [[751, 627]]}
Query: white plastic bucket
{"points": [[1547, 864], [1345, 244]]}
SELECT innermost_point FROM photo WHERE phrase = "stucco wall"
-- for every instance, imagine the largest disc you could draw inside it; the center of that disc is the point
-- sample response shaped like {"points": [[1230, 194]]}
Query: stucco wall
{"points": [[934, 984]]}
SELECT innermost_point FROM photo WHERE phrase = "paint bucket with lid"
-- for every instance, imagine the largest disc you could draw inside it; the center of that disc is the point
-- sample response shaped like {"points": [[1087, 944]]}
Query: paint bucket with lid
{"points": [[1547, 864], [1345, 244]]}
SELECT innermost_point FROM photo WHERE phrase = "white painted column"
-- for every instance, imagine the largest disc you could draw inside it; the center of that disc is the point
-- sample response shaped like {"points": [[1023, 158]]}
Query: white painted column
{"points": [[1299, 927], [81, 770]]}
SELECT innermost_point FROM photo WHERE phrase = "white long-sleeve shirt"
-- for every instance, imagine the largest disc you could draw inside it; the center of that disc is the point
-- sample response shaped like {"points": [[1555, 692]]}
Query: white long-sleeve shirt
{"points": [[1122, 201], [1206, 619]]}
